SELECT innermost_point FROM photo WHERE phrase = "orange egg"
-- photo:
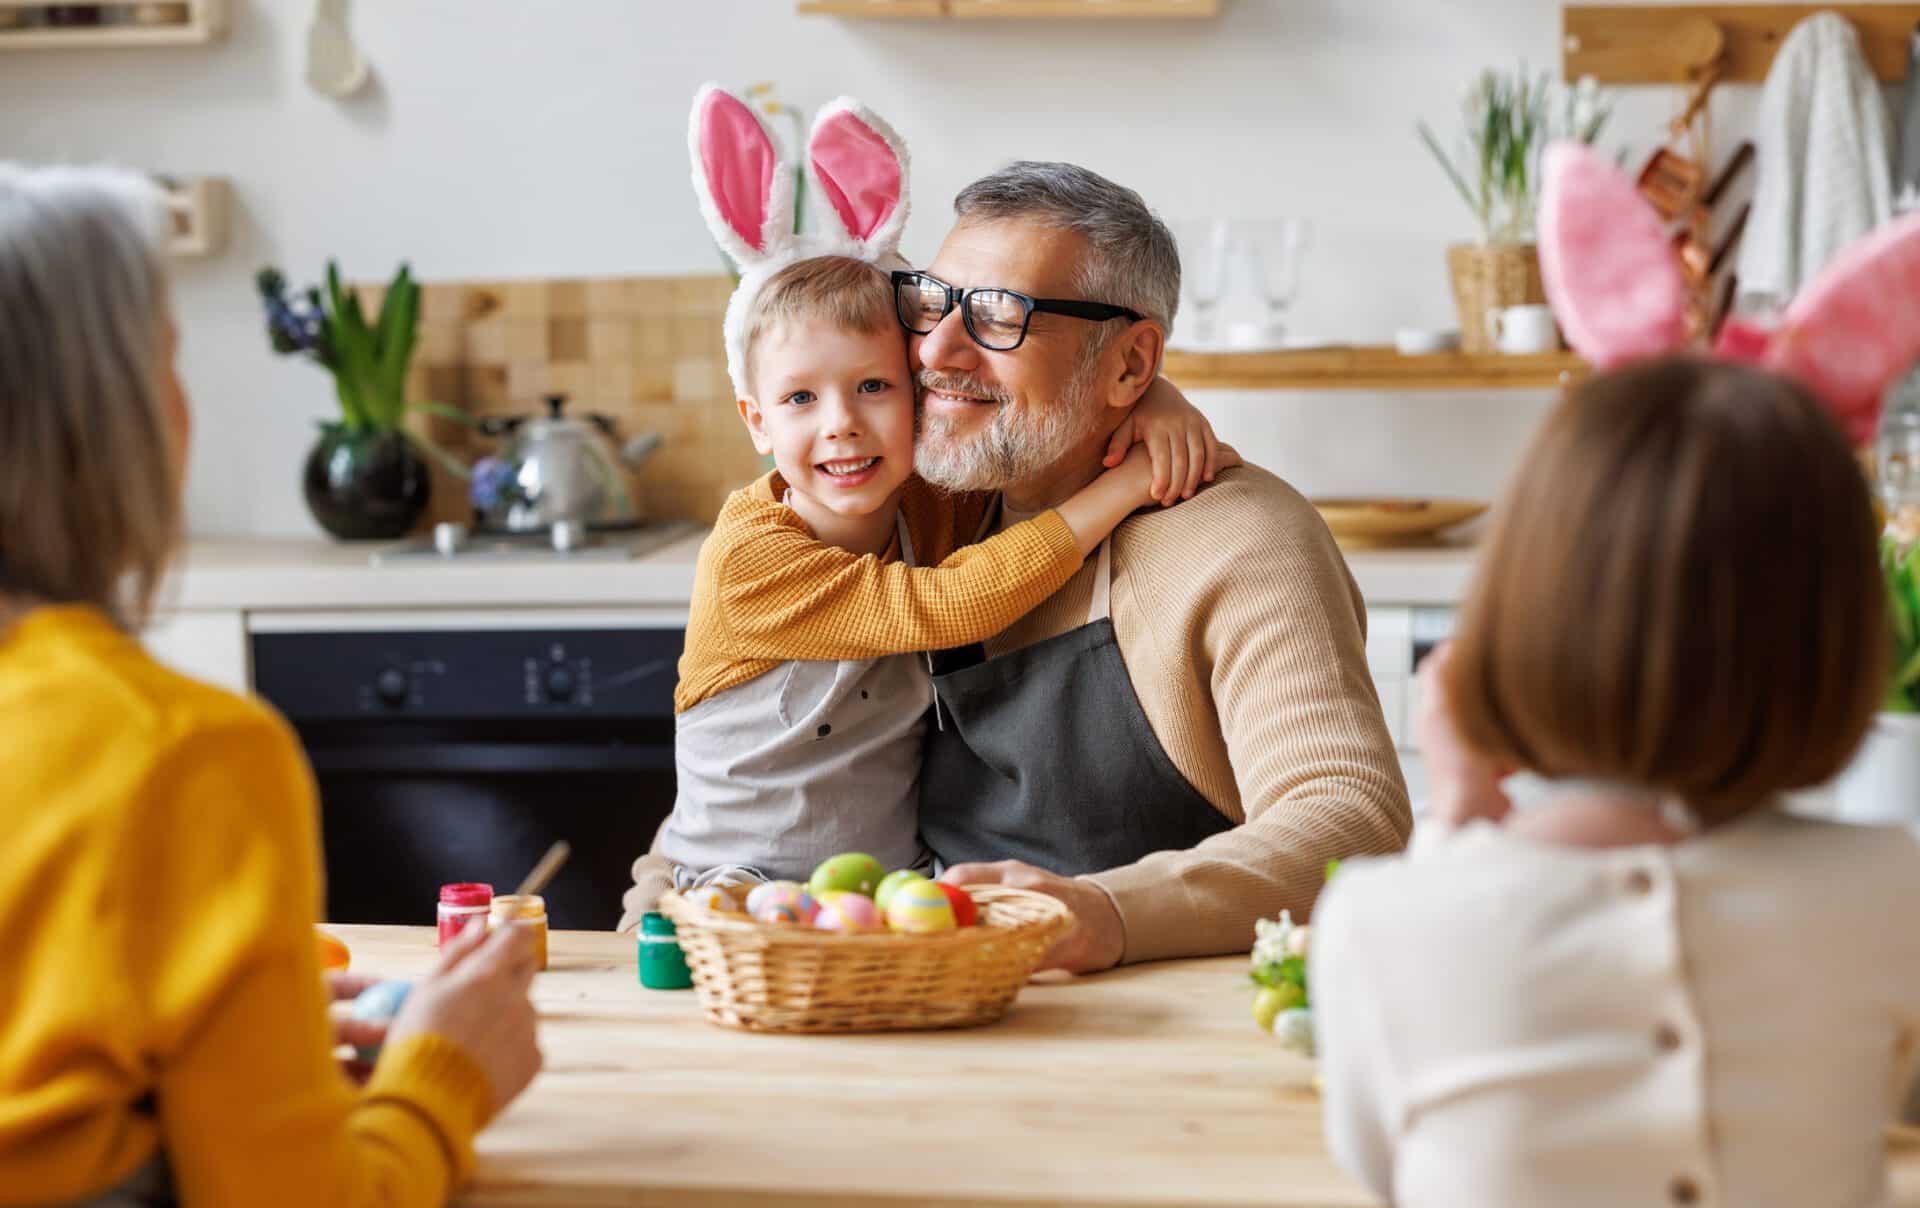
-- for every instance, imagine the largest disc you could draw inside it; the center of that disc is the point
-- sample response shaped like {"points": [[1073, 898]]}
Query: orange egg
{"points": [[333, 953]]}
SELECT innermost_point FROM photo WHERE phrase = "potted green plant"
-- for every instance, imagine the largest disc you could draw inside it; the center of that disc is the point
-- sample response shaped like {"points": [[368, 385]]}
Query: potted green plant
{"points": [[1882, 784], [1508, 121], [365, 479]]}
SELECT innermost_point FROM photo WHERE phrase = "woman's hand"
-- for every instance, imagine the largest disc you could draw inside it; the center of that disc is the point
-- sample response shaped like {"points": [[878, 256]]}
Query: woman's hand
{"points": [[371, 1033], [1464, 783], [1179, 439], [477, 998]]}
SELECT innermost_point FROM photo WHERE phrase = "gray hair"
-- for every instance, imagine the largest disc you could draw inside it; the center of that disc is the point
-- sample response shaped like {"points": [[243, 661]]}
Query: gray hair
{"points": [[89, 505], [1133, 261]]}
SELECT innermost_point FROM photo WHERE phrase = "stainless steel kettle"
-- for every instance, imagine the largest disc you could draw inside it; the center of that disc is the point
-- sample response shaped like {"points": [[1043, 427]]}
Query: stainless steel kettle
{"points": [[563, 471]]}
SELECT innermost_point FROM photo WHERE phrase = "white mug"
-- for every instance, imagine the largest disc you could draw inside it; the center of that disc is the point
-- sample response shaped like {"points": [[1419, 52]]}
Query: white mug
{"points": [[1523, 329]]}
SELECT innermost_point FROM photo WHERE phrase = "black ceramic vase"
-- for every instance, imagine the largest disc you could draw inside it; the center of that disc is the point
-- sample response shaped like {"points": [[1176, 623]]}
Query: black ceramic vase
{"points": [[365, 486]]}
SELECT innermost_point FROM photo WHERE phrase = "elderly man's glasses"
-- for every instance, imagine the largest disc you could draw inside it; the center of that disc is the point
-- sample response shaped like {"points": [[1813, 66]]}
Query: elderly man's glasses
{"points": [[995, 318]]}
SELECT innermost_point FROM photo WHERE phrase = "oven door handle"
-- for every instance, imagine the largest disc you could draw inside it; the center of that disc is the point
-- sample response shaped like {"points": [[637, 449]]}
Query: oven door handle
{"points": [[498, 758]]}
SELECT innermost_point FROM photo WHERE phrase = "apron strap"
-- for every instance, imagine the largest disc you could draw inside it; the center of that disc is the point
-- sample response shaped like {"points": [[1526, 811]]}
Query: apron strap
{"points": [[906, 538], [1102, 606]]}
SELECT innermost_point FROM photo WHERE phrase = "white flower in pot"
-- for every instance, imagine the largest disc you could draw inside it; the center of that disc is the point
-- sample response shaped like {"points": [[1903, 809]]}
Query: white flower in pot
{"points": [[1882, 784]]}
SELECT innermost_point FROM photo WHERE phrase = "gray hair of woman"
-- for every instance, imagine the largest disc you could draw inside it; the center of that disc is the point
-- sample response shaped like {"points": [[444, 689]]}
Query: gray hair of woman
{"points": [[89, 491]]}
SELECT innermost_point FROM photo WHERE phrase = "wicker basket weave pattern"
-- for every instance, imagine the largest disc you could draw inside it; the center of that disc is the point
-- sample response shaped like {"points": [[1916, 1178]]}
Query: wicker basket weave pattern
{"points": [[1491, 277], [766, 978]]}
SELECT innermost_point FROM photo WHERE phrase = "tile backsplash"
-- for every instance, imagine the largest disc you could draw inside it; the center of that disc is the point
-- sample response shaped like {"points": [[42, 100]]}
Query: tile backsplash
{"points": [[645, 351]]}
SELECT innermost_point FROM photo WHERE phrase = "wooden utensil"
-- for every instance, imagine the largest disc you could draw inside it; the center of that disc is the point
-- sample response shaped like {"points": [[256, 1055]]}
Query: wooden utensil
{"points": [[543, 871]]}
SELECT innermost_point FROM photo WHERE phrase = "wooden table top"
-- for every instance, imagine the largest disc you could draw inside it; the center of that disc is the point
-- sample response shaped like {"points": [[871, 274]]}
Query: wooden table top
{"points": [[1144, 1086]]}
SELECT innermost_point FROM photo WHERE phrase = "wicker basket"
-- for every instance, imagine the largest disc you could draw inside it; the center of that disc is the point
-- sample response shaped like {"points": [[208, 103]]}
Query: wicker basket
{"points": [[766, 978], [1489, 277]]}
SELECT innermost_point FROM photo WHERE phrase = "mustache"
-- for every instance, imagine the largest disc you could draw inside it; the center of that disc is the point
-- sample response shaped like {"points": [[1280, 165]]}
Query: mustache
{"points": [[960, 383]]}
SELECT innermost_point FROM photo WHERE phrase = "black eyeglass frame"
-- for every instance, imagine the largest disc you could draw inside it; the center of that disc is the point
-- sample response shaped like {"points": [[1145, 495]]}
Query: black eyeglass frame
{"points": [[1098, 312]]}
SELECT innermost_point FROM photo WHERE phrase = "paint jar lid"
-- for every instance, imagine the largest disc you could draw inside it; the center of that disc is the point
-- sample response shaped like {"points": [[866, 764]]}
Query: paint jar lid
{"points": [[467, 893], [515, 906], [655, 923]]}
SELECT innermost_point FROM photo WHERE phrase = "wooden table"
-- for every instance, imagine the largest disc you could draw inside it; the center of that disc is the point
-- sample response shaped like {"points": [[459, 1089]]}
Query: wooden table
{"points": [[1144, 1086]]}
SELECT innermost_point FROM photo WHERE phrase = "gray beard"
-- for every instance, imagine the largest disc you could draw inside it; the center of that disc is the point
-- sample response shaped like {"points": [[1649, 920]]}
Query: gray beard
{"points": [[1020, 443]]}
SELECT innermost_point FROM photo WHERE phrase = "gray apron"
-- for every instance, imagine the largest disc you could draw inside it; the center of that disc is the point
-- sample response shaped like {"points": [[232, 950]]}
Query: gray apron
{"points": [[1044, 755], [810, 760]]}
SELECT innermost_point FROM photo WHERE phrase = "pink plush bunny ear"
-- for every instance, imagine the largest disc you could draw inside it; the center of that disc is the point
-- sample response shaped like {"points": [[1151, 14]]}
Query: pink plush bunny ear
{"points": [[859, 166], [744, 191], [1855, 329], [1609, 271]]}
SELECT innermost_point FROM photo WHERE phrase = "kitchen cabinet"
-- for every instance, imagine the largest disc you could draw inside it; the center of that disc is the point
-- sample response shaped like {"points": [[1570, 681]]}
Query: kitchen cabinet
{"points": [[974, 10], [1368, 367], [202, 21], [209, 646]]}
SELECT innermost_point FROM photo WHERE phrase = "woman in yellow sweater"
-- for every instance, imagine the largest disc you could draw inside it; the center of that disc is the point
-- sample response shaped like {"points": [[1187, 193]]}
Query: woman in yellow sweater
{"points": [[163, 1022]]}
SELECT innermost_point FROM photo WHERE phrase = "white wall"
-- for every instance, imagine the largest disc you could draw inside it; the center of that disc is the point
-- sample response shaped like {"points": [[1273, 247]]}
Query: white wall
{"points": [[513, 138]]}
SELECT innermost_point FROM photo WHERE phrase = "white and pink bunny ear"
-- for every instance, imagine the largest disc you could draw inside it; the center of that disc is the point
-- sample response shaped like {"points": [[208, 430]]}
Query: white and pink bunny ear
{"points": [[1609, 270], [745, 191], [1852, 331], [859, 168]]}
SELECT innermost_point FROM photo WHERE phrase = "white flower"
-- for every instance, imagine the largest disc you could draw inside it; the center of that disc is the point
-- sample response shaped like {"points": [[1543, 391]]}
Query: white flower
{"points": [[1270, 939]]}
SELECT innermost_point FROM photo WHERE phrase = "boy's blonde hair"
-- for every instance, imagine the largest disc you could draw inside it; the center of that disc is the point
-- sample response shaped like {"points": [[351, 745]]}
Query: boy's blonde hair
{"points": [[850, 294], [89, 505], [1681, 591]]}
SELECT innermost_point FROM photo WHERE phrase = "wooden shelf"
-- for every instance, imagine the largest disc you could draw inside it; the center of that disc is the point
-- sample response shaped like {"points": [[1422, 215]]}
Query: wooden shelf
{"points": [[1640, 44], [206, 21], [199, 210], [994, 10], [1368, 367]]}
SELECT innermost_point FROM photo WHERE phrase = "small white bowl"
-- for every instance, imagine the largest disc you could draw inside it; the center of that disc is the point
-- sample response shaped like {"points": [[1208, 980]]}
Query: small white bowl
{"points": [[1416, 341]]}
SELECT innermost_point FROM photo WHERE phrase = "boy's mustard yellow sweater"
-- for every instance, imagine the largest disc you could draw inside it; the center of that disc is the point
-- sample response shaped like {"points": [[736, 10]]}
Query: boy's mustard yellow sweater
{"points": [[159, 984]]}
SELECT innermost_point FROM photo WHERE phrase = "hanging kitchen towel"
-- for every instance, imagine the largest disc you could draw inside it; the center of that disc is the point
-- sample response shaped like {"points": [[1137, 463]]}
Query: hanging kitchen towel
{"points": [[1825, 150], [1906, 176]]}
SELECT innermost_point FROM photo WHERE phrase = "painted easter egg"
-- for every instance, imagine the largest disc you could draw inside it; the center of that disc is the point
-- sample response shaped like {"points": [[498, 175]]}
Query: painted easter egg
{"points": [[1272, 1000], [854, 871], [759, 894], [849, 912], [784, 904], [965, 912], [378, 1003], [891, 883], [919, 908], [712, 897], [1293, 1027]]}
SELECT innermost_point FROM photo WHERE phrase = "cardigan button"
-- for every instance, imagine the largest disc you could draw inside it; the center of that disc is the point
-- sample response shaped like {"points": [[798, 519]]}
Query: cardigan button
{"points": [[1667, 1037], [1684, 1190], [1640, 882]]}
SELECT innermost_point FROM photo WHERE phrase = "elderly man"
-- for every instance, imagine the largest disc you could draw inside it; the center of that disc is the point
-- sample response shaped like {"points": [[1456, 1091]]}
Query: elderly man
{"points": [[1177, 741]]}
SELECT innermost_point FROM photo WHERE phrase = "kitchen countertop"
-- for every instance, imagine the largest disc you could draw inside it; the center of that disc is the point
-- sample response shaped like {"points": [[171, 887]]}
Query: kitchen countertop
{"points": [[311, 574], [1145, 1086]]}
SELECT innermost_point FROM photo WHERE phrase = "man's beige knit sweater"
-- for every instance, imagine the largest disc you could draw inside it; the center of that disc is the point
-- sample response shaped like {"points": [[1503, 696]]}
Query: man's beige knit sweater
{"points": [[1245, 638]]}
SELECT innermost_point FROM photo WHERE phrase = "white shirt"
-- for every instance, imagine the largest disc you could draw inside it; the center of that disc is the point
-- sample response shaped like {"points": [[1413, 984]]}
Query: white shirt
{"points": [[1725, 1021]]}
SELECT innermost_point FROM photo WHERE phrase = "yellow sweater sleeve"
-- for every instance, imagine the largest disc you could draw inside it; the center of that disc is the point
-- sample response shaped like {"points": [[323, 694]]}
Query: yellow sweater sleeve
{"points": [[785, 594], [254, 1110]]}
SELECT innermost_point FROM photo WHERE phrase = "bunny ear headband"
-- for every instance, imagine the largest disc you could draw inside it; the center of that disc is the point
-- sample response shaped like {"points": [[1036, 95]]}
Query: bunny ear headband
{"points": [[1616, 288], [855, 163]]}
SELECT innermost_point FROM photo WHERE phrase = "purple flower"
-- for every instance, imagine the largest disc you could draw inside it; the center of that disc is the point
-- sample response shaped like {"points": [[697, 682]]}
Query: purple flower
{"points": [[492, 479]]}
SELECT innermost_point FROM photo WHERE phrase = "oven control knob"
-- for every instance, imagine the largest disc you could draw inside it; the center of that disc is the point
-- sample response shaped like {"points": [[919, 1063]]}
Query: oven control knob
{"points": [[391, 686], [559, 684]]}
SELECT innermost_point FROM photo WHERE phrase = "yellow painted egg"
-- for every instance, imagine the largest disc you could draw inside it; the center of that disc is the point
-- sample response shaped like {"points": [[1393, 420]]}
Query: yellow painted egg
{"points": [[849, 912], [712, 897], [920, 908]]}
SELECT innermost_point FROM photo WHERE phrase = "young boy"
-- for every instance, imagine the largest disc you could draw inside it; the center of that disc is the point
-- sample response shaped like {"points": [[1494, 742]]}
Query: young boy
{"points": [[802, 700]]}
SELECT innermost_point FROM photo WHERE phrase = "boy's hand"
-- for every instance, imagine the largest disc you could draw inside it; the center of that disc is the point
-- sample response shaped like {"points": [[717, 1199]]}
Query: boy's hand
{"points": [[1179, 439]]}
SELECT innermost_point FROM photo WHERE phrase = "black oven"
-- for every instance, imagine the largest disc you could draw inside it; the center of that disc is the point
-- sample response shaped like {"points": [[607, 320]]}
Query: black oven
{"points": [[452, 754]]}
